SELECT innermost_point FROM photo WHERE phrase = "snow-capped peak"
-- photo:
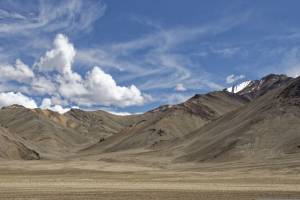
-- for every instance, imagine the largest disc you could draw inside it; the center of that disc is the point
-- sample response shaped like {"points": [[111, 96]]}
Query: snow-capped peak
{"points": [[239, 87]]}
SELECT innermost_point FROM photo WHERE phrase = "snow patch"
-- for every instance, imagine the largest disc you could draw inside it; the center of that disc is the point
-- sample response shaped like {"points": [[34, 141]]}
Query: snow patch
{"points": [[239, 87]]}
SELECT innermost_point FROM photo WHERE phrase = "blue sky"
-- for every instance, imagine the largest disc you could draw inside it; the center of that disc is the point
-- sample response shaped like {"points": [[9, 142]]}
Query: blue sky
{"points": [[134, 55]]}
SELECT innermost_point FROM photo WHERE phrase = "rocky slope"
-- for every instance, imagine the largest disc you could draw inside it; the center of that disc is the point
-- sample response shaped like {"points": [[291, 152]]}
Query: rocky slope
{"points": [[259, 122], [162, 125], [260, 87], [12, 147], [266, 128], [47, 131]]}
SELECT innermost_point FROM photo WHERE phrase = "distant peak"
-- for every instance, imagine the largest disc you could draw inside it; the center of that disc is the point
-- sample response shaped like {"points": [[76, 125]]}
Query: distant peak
{"points": [[13, 106], [256, 88]]}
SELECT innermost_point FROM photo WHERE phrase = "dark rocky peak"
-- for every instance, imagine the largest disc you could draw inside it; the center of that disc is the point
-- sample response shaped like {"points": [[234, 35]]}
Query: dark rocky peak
{"points": [[260, 87], [196, 96], [292, 90]]}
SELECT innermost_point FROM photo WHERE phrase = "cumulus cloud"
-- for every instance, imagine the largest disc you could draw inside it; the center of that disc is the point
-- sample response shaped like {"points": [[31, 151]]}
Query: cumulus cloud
{"points": [[103, 88], [47, 104], [180, 87], [41, 85], [71, 88], [233, 78], [10, 98], [55, 79], [60, 58], [19, 72], [96, 88]]}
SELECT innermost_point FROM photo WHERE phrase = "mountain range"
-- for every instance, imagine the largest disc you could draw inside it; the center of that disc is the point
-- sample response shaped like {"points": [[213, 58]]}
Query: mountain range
{"points": [[257, 121]]}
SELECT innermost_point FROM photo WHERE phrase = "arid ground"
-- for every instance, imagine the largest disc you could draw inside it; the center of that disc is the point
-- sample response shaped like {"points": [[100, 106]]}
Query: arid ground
{"points": [[106, 180]]}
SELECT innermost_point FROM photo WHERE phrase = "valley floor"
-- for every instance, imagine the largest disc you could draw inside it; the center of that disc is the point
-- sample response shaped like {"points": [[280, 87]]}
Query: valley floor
{"points": [[116, 181]]}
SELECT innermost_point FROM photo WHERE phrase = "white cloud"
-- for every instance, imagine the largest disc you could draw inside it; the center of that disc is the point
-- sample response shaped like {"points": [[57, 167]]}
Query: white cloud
{"points": [[42, 85], [180, 87], [71, 89], [226, 52], [4, 14], [160, 67], [47, 104], [10, 98], [19, 72], [60, 58], [96, 88], [55, 78], [233, 78], [103, 89], [69, 15]]}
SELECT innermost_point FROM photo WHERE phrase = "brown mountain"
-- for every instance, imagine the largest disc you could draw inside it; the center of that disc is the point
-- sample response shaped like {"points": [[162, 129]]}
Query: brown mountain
{"points": [[167, 123], [97, 124], [265, 129], [49, 133], [261, 122], [56, 136]]}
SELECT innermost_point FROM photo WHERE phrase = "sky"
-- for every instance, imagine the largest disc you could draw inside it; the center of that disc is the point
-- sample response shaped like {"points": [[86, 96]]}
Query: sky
{"points": [[132, 56]]}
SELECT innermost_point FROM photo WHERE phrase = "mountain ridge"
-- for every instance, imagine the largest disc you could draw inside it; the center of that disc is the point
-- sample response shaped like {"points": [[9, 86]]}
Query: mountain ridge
{"points": [[216, 126]]}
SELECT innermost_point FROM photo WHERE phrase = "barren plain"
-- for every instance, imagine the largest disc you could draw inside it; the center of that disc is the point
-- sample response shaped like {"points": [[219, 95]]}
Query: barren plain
{"points": [[114, 181]]}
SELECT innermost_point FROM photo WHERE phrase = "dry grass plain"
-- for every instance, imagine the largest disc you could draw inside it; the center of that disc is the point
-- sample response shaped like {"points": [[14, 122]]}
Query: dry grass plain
{"points": [[129, 181]]}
